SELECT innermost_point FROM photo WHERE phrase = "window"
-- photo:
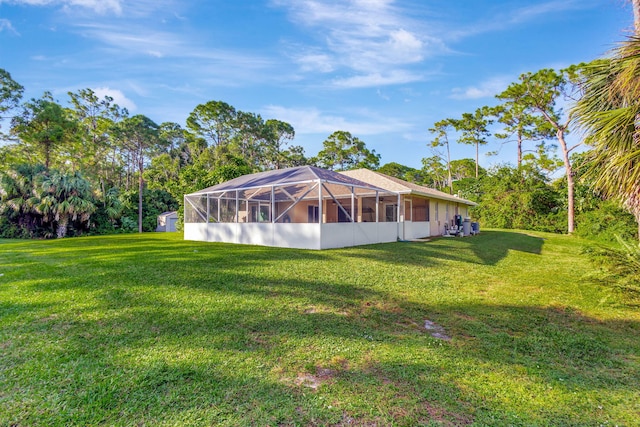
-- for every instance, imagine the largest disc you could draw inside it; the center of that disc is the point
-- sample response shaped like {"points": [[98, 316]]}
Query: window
{"points": [[421, 213]]}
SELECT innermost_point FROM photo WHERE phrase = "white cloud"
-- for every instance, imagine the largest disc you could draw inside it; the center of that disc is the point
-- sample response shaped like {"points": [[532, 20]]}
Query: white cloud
{"points": [[314, 121], [118, 97], [152, 43], [315, 62], [99, 6], [139, 40], [533, 11], [131, 8], [487, 89], [383, 95], [376, 79], [402, 40], [374, 38], [504, 19], [5, 25]]}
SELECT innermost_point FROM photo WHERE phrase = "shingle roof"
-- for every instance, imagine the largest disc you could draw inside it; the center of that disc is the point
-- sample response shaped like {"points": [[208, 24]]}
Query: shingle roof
{"points": [[398, 185]]}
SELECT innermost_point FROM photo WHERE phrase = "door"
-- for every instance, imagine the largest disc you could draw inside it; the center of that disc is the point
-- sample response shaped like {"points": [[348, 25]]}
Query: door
{"points": [[407, 229], [391, 212], [342, 216], [313, 214]]}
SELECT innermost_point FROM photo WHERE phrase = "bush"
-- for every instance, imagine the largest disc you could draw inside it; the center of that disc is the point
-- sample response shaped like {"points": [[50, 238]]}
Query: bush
{"points": [[620, 265], [606, 222]]}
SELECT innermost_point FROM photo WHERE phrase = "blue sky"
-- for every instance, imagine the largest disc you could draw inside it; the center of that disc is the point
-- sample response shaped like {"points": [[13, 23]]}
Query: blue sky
{"points": [[383, 70]]}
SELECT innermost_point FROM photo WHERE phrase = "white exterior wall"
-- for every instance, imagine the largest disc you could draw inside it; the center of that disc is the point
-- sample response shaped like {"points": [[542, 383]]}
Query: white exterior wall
{"points": [[439, 216], [442, 212], [291, 235], [416, 229], [344, 234]]}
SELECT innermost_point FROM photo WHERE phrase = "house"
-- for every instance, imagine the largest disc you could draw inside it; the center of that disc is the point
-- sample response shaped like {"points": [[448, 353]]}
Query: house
{"points": [[423, 211], [302, 207], [167, 221], [312, 208]]}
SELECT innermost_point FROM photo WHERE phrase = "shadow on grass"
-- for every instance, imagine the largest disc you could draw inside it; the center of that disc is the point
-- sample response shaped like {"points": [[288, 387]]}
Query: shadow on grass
{"points": [[169, 333], [249, 356], [487, 248]]}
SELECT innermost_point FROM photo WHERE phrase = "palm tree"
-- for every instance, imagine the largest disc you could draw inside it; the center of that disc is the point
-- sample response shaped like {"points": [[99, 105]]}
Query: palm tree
{"points": [[65, 198], [609, 113], [19, 197]]}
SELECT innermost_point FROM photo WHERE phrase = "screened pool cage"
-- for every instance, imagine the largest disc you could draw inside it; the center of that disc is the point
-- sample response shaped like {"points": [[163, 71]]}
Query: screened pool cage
{"points": [[302, 207], [318, 201]]}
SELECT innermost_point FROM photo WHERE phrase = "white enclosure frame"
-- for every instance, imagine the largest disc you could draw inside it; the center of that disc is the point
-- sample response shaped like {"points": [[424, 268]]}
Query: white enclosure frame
{"points": [[287, 226]]}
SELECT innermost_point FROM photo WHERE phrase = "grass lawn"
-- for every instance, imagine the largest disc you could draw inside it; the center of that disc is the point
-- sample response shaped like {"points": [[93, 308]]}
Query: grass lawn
{"points": [[152, 330]]}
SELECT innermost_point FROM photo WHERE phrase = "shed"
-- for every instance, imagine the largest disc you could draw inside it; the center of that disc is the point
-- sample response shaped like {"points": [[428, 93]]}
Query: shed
{"points": [[167, 221], [302, 207]]}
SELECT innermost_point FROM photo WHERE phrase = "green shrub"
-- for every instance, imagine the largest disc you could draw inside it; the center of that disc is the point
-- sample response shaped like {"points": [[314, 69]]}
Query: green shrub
{"points": [[605, 223], [620, 266]]}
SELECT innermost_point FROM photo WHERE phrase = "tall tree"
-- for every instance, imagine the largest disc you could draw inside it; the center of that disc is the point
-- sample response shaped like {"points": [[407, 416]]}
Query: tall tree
{"points": [[343, 151], [474, 131], [519, 125], [537, 94], [10, 92], [441, 131], [399, 171], [465, 168], [95, 148], [10, 96], [543, 158], [249, 136], [293, 156], [213, 122], [279, 134], [173, 136], [436, 174], [609, 112], [43, 126], [140, 136]]}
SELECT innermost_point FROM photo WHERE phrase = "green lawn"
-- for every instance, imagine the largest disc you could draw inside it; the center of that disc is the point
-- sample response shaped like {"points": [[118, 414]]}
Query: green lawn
{"points": [[152, 330]]}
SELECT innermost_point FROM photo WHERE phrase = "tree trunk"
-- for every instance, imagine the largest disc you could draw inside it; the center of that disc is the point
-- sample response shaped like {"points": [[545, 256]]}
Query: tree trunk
{"points": [[477, 152], [635, 4], [47, 154], [519, 149], [449, 181], [140, 186], [61, 231], [104, 193], [570, 184]]}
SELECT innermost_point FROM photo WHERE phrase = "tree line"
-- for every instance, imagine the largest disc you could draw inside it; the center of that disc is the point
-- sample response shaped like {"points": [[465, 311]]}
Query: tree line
{"points": [[91, 167]]}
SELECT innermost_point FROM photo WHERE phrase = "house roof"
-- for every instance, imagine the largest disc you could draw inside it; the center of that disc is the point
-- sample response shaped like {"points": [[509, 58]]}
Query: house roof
{"points": [[290, 177], [398, 185]]}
